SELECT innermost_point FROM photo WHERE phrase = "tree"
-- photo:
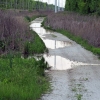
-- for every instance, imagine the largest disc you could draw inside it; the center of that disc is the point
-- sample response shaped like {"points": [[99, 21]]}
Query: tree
{"points": [[83, 6]]}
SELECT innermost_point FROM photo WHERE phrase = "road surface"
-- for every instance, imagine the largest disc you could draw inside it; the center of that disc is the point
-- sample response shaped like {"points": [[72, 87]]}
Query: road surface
{"points": [[75, 72]]}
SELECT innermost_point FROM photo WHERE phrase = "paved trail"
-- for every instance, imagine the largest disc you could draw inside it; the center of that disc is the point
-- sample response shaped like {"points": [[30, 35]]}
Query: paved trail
{"points": [[75, 73]]}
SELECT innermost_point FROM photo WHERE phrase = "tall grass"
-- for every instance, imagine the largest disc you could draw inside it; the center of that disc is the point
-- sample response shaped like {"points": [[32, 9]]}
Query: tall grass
{"points": [[24, 81], [35, 46], [20, 78], [15, 32], [86, 27], [83, 29]]}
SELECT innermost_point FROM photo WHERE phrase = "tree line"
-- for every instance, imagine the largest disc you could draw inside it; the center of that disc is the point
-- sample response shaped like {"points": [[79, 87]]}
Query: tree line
{"points": [[24, 4], [83, 6]]}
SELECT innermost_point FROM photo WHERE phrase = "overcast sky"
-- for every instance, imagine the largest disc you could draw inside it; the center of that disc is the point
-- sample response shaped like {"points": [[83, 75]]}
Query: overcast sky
{"points": [[61, 2]]}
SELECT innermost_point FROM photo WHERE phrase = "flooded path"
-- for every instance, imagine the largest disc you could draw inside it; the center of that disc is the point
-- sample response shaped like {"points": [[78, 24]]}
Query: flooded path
{"points": [[75, 72]]}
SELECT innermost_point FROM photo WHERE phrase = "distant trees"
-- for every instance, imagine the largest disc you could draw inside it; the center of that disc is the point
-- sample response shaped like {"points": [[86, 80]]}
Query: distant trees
{"points": [[17, 4], [83, 6], [25, 4]]}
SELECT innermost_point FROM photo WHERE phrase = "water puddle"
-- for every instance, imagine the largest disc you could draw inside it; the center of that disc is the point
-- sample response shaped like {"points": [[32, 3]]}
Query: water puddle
{"points": [[35, 24], [60, 63], [57, 62], [39, 30], [54, 44], [47, 37]]}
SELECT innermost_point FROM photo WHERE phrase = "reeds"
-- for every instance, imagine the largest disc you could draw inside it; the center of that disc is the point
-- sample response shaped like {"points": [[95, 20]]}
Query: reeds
{"points": [[84, 26]]}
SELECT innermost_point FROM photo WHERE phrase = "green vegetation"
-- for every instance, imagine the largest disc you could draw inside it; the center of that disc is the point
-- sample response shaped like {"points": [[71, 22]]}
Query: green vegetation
{"points": [[29, 19], [24, 81], [21, 77], [46, 27], [74, 89], [79, 97], [17, 4], [83, 6], [77, 39], [25, 5], [36, 46]]}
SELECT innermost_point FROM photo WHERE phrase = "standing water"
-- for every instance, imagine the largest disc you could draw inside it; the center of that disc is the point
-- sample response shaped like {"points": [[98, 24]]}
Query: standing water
{"points": [[54, 44], [59, 46], [69, 63]]}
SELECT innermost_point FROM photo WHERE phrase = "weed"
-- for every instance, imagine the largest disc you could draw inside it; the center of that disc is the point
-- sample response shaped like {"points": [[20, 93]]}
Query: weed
{"points": [[79, 84], [79, 96], [54, 35], [86, 79], [74, 89]]}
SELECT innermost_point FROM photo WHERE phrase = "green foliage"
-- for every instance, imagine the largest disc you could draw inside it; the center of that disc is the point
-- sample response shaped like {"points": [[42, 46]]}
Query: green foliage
{"points": [[83, 6], [17, 4], [71, 5], [79, 97], [23, 81], [36, 46], [2, 45], [20, 78], [25, 5], [29, 19]]}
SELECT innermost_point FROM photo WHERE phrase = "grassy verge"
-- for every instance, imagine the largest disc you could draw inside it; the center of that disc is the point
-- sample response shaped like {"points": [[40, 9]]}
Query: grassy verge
{"points": [[36, 46], [24, 81], [77, 39]]}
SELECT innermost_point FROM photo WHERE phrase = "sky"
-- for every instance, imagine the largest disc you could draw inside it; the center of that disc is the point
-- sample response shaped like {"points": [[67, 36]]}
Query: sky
{"points": [[61, 2]]}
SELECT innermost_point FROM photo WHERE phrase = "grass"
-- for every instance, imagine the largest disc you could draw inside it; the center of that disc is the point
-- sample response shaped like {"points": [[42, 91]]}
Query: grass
{"points": [[79, 96], [23, 81], [74, 89], [81, 41], [36, 46], [77, 39], [29, 19]]}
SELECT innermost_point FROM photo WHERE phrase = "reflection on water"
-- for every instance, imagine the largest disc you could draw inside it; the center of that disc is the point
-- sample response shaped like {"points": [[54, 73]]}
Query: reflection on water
{"points": [[40, 30], [57, 62], [35, 24], [53, 44], [60, 63]]}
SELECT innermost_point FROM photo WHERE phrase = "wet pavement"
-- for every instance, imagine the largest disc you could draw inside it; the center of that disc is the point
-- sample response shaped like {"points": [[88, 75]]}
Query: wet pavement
{"points": [[64, 57]]}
